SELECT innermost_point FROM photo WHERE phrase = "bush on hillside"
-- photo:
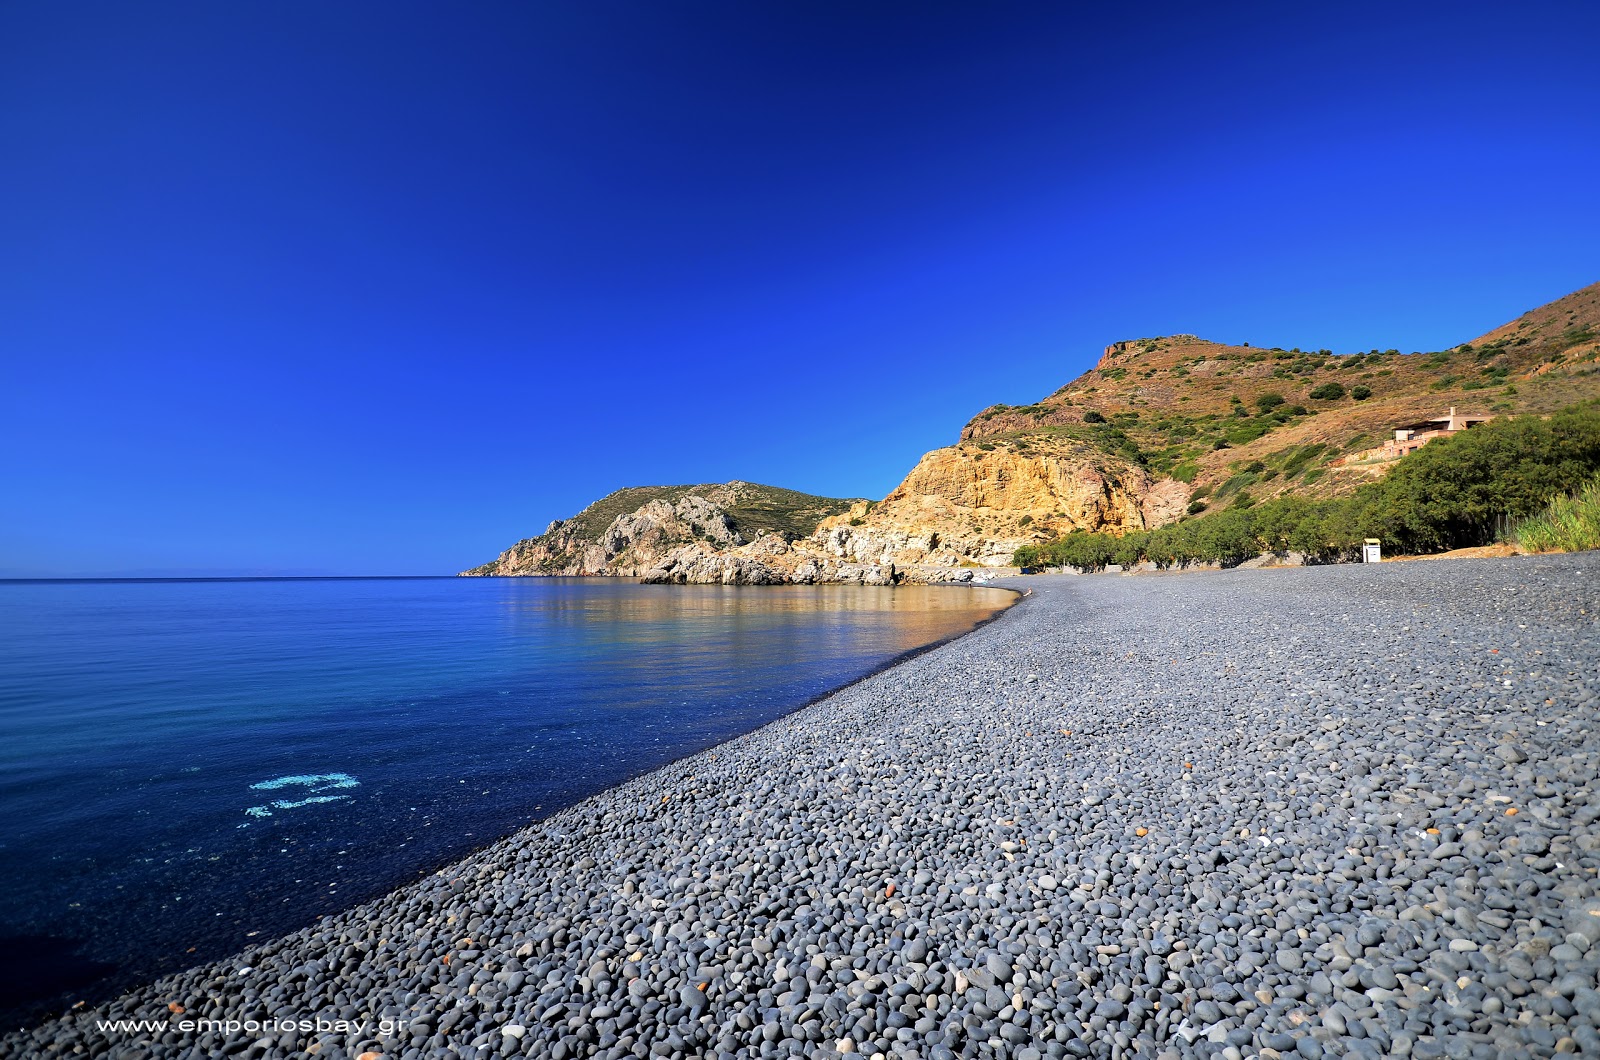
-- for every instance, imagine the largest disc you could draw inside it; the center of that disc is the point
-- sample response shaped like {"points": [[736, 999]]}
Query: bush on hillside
{"points": [[1268, 401], [1328, 392], [1360, 392]]}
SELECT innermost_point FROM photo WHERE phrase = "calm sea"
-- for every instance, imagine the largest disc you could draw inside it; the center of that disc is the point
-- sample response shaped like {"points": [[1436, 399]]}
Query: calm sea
{"points": [[190, 766]]}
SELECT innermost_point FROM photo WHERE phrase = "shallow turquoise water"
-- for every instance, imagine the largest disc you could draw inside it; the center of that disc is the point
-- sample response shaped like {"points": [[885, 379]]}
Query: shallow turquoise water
{"points": [[186, 767]]}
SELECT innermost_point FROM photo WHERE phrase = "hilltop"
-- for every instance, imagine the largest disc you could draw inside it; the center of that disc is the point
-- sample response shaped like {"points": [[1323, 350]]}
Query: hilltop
{"points": [[1159, 430]]}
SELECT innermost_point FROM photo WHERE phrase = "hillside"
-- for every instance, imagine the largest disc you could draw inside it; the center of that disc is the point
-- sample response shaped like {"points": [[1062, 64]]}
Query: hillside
{"points": [[1167, 426], [1159, 430]]}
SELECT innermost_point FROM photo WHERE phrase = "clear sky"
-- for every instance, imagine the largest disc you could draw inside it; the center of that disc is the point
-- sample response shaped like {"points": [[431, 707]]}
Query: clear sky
{"points": [[299, 287]]}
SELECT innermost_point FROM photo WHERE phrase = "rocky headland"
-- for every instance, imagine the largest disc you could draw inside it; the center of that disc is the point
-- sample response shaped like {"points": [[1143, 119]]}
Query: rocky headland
{"points": [[1319, 812]]}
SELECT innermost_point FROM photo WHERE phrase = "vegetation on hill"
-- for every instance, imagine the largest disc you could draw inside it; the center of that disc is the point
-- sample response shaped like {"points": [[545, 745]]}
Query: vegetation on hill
{"points": [[788, 513], [1453, 493], [1205, 413], [753, 508]]}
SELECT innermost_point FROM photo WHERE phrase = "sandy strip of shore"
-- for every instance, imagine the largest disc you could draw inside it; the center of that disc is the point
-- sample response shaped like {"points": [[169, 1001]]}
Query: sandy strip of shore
{"points": [[1327, 811]]}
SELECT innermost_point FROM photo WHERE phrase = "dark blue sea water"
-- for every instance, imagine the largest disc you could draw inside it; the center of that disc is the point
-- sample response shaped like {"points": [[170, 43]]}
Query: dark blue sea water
{"points": [[189, 766]]}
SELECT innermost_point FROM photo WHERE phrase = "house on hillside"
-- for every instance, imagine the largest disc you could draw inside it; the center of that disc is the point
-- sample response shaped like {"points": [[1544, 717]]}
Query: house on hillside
{"points": [[1410, 437]]}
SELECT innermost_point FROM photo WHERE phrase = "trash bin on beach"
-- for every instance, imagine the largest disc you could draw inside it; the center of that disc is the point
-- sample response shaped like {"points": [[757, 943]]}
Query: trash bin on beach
{"points": [[1372, 551]]}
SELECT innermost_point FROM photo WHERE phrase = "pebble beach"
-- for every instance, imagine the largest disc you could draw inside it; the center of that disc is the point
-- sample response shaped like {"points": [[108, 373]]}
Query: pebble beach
{"points": [[1302, 812]]}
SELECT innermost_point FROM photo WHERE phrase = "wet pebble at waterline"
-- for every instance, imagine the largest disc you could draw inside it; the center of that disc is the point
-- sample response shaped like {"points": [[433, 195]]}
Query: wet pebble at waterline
{"points": [[1322, 812]]}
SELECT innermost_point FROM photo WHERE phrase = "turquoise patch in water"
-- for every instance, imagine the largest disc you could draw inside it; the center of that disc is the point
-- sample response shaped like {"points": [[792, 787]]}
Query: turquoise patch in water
{"points": [[314, 781], [283, 805]]}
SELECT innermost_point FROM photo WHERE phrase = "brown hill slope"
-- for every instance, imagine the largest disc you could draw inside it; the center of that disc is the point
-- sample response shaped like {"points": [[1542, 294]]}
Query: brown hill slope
{"points": [[1568, 325], [1164, 424]]}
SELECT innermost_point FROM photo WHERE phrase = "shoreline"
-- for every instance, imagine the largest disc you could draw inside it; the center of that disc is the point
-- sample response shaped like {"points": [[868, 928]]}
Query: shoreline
{"points": [[960, 829]]}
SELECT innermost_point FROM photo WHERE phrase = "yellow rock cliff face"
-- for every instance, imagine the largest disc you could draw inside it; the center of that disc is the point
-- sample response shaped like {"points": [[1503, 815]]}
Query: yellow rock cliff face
{"points": [[970, 504]]}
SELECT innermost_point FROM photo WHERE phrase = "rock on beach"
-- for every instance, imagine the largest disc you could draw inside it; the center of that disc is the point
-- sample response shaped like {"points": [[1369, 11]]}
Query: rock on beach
{"points": [[1321, 763]]}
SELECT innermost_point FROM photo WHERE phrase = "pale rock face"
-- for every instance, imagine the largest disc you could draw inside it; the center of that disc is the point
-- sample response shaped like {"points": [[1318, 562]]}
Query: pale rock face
{"points": [[808, 572], [631, 545], [968, 505], [767, 544], [1165, 502], [696, 565]]}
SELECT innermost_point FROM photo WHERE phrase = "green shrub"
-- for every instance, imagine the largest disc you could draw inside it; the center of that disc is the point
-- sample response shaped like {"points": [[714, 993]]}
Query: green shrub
{"points": [[1360, 392], [1575, 336], [1567, 524], [1300, 458], [1249, 431], [1268, 401], [1093, 417], [1236, 483], [1328, 392], [1186, 471]]}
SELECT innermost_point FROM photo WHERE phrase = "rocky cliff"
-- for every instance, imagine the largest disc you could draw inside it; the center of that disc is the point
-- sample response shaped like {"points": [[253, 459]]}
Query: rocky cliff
{"points": [[976, 503], [735, 533]]}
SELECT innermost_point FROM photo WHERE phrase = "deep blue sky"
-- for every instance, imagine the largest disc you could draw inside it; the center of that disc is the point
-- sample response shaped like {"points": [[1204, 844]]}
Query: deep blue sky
{"points": [[380, 288]]}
